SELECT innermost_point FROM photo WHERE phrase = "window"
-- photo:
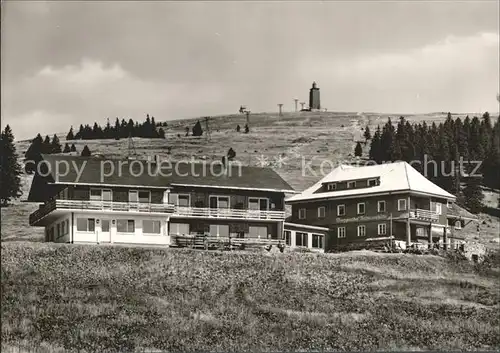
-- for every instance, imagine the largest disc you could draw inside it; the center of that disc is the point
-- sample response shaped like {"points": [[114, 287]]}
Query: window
{"points": [[143, 196], [381, 206], [151, 227], [221, 230], [437, 208], [219, 202], [85, 224], [256, 203], [300, 239], [63, 228], [361, 208], [382, 229], [449, 204], [458, 225], [341, 232], [331, 186], [101, 195], [125, 226], [179, 228], [422, 232], [96, 194], [351, 184], [58, 230], [317, 241], [321, 212], [183, 200], [302, 213], [401, 204], [341, 210], [255, 232], [361, 231], [105, 225], [288, 237], [372, 182]]}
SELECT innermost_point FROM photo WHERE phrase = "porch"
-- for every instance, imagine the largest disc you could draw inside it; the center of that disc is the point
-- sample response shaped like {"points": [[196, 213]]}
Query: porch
{"points": [[55, 208]]}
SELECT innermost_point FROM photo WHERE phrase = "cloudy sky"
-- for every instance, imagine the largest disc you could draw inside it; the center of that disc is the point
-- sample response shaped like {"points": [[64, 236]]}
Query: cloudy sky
{"points": [[78, 62]]}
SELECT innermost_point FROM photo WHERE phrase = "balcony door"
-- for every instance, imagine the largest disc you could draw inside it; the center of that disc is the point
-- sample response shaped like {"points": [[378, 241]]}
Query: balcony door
{"points": [[257, 204], [105, 233], [219, 205], [105, 196]]}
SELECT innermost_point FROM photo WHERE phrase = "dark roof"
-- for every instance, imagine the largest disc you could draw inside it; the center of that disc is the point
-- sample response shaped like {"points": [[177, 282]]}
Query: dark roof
{"points": [[128, 172], [455, 211]]}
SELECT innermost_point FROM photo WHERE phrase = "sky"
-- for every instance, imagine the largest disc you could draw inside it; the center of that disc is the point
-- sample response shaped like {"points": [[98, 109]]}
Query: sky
{"points": [[72, 63]]}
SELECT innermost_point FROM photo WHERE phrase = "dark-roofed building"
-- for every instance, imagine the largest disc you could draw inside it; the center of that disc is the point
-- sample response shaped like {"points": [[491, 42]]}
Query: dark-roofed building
{"points": [[96, 200]]}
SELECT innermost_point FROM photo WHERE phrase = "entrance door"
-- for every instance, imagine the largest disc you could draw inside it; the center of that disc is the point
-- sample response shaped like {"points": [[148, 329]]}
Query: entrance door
{"points": [[105, 235]]}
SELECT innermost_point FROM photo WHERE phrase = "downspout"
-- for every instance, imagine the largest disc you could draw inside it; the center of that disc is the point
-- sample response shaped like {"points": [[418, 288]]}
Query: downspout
{"points": [[72, 227]]}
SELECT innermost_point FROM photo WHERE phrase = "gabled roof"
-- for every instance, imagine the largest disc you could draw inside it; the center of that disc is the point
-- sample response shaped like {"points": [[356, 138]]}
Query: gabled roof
{"points": [[455, 211], [394, 177], [111, 172]]}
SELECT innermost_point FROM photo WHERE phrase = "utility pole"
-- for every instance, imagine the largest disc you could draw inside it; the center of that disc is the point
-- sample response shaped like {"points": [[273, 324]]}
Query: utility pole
{"points": [[295, 100], [131, 147], [280, 105], [207, 119]]}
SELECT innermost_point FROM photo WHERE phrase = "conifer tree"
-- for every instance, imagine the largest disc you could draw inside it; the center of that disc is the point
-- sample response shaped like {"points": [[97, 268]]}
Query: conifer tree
{"points": [[55, 145], [375, 147], [46, 145], [358, 150], [247, 129], [473, 195], [197, 130], [33, 154], [10, 170], [67, 149], [367, 133], [70, 135], [116, 131], [238, 128], [73, 148], [86, 152], [161, 133]]}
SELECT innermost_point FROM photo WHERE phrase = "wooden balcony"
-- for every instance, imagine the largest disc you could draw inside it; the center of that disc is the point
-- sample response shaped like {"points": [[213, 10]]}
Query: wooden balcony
{"points": [[424, 215], [228, 213], [86, 205]]}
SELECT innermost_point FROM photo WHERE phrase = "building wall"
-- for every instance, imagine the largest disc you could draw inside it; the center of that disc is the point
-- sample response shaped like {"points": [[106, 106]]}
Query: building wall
{"points": [[331, 218], [199, 197], [113, 236], [314, 99], [202, 226], [293, 233], [120, 194]]}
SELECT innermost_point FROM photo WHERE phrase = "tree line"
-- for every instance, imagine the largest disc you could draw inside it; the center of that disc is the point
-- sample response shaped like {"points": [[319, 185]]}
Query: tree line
{"points": [[121, 129], [475, 142]]}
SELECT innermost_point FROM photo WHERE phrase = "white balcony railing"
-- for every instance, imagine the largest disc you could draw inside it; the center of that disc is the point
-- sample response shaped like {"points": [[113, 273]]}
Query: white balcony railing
{"points": [[426, 215], [228, 213], [99, 206]]}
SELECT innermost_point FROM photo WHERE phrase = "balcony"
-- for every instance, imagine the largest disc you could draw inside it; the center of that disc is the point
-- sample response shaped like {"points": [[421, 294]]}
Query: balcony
{"points": [[228, 213], [86, 205], [424, 215]]}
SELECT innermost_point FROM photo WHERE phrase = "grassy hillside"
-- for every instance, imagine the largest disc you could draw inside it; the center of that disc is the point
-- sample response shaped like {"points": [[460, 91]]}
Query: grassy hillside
{"points": [[87, 298], [297, 138]]}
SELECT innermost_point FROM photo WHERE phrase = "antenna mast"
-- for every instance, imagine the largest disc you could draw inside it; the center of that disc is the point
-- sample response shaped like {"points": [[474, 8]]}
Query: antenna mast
{"points": [[131, 147]]}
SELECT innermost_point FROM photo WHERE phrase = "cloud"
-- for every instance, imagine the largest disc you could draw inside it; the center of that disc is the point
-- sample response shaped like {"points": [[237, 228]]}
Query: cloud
{"points": [[92, 91], [458, 73]]}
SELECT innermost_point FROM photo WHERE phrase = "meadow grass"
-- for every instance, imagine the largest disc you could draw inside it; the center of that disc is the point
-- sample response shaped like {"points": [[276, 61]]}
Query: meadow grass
{"points": [[91, 298]]}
